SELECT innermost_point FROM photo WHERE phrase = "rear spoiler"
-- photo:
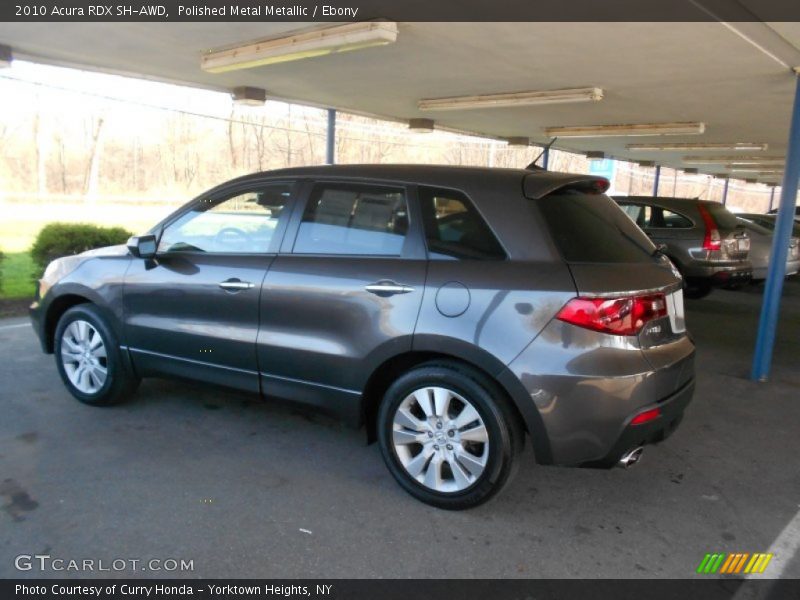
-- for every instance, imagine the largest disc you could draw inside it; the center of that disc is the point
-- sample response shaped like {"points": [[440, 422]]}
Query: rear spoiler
{"points": [[539, 184]]}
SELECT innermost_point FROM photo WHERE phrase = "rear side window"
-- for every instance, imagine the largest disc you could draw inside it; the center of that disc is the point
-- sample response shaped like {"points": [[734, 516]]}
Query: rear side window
{"points": [[647, 216], [454, 229], [593, 229], [353, 219], [722, 216]]}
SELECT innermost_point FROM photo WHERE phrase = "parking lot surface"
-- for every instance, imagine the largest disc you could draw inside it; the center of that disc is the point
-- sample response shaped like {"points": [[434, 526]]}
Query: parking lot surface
{"points": [[245, 488]]}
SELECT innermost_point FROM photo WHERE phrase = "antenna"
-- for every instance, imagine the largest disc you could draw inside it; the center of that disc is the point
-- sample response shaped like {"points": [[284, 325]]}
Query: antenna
{"points": [[533, 166]]}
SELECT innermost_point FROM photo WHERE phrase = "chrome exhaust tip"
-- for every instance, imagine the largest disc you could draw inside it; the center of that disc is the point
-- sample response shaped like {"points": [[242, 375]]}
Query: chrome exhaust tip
{"points": [[631, 457]]}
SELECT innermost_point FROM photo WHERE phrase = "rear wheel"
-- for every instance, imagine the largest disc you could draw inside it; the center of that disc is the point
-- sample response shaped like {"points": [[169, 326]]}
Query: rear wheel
{"points": [[447, 435], [89, 359]]}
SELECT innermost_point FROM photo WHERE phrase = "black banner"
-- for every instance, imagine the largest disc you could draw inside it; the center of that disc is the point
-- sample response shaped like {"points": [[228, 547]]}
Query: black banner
{"points": [[399, 10], [405, 589]]}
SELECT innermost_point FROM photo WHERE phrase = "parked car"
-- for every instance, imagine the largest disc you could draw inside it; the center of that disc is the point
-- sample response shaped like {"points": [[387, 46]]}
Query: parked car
{"points": [[705, 241], [761, 248], [453, 311], [774, 211], [768, 221]]}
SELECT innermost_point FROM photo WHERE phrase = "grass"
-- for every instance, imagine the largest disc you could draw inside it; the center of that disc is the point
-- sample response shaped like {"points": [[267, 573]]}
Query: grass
{"points": [[17, 280]]}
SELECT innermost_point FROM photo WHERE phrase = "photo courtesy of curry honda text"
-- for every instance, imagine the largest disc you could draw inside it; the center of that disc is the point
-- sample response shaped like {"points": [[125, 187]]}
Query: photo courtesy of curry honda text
{"points": [[457, 313]]}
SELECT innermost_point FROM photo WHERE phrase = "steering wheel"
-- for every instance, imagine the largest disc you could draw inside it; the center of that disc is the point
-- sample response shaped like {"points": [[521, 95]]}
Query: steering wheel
{"points": [[232, 236]]}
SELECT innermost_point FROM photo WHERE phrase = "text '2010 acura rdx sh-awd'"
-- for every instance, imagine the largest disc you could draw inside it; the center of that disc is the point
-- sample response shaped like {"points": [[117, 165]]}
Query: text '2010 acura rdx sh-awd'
{"points": [[455, 312]]}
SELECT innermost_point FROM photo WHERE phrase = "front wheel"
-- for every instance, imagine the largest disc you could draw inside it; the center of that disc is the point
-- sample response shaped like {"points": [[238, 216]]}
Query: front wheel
{"points": [[448, 436], [89, 358]]}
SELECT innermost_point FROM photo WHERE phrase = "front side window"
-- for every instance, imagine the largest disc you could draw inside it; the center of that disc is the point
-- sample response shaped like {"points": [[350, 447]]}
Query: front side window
{"points": [[241, 224], [454, 229], [353, 219]]}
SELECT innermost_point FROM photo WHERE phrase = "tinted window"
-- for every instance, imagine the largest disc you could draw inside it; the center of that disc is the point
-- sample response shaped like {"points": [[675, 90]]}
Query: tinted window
{"points": [[353, 219], [455, 229], [592, 228], [673, 220], [241, 224]]}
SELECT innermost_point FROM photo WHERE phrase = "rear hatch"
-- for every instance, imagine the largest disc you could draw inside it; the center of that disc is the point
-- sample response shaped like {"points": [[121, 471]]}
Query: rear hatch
{"points": [[731, 237], [611, 258]]}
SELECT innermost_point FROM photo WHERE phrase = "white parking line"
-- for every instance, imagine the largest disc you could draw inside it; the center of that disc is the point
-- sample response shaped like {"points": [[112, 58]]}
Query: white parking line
{"points": [[785, 547], [17, 326]]}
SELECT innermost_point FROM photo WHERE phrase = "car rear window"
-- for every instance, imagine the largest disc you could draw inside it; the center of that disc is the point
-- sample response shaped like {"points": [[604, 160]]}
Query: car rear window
{"points": [[722, 216], [591, 228]]}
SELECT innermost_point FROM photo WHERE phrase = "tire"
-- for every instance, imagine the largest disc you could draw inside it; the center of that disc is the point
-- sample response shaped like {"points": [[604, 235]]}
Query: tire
{"points": [[85, 349], [696, 291], [449, 467]]}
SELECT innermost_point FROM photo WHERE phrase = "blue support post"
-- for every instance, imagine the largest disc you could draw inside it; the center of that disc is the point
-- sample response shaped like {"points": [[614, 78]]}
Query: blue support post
{"points": [[771, 196], [330, 141], [725, 192], [770, 307], [656, 180], [546, 158]]}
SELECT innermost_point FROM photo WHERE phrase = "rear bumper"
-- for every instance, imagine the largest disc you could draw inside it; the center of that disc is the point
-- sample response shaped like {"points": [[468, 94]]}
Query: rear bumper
{"points": [[715, 273], [651, 432], [584, 387]]}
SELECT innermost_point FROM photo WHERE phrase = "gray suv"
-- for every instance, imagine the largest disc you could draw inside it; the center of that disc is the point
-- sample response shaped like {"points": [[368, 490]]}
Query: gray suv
{"points": [[708, 245], [455, 312]]}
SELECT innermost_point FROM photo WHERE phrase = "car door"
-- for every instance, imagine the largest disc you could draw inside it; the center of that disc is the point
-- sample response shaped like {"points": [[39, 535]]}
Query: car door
{"points": [[343, 295], [193, 309]]}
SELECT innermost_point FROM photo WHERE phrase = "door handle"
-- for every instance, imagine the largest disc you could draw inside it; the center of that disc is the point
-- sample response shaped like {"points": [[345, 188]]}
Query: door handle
{"points": [[235, 285], [388, 288]]}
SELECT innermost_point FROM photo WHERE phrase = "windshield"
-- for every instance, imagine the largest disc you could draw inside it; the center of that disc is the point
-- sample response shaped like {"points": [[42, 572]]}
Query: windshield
{"points": [[591, 228]]}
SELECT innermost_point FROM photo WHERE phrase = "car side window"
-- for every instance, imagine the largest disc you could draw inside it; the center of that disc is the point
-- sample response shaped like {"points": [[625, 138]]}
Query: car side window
{"points": [[241, 224], [353, 219], [638, 213], [454, 229], [673, 220]]}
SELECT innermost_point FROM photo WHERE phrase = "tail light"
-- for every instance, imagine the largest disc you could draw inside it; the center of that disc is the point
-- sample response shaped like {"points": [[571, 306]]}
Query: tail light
{"points": [[619, 316], [711, 240]]}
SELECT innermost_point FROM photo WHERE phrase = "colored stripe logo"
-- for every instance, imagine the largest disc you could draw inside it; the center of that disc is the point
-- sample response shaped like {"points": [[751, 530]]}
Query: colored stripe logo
{"points": [[734, 563]]}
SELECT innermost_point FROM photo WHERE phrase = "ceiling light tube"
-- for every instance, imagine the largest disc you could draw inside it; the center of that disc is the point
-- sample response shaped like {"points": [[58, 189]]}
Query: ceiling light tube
{"points": [[734, 160], [592, 94], [754, 169], [626, 130], [735, 146], [301, 44]]}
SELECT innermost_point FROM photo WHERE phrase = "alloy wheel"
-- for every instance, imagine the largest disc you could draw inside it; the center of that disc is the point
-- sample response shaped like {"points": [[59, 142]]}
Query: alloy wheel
{"points": [[83, 355], [440, 439]]}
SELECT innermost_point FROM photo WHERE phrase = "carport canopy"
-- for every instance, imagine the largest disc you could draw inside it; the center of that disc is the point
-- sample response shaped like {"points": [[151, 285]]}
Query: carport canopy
{"points": [[734, 82]]}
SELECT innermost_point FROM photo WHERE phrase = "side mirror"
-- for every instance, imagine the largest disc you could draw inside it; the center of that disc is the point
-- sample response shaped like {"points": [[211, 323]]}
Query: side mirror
{"points": [[143, 246]]}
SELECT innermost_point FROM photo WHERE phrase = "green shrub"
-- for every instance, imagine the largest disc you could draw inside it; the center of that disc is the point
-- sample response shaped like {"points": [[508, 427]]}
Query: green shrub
{"points": [[64, 239]]}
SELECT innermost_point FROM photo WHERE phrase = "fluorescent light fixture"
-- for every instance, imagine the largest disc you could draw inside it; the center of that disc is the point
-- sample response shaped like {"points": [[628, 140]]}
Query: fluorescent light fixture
{"points": [[301, 44], [249, 96], [753, 169], [626, 130], [519, 141], [512, 99], [735, 146], [6, 56], [420, 125], [691, 171], [646, 163], [595, 155], [734, 160], [750, 180]]}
